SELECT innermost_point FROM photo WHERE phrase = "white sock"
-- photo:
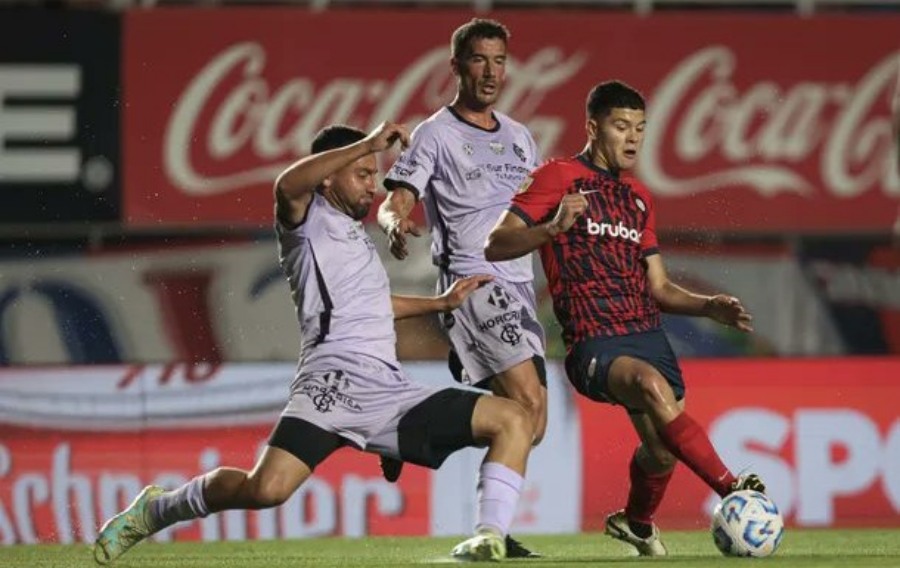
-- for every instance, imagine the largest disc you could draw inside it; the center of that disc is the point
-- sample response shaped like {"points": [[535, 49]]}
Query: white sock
{"points": [[498, 494], [182, 504]]}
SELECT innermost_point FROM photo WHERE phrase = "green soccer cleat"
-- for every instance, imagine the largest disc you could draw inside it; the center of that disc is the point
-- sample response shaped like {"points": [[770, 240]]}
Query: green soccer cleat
{"points": [[126, 529], [483, 547]]}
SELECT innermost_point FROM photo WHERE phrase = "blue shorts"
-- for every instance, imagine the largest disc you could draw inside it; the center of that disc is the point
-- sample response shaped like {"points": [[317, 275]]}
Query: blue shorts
{"points": [[588, 362]]}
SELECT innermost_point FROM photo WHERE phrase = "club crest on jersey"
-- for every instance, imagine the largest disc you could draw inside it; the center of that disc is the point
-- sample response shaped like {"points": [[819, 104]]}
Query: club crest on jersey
{"points": [[329, 391], [510, 334], [468, 149], [640, 204], [497, 147], [519, 152]]}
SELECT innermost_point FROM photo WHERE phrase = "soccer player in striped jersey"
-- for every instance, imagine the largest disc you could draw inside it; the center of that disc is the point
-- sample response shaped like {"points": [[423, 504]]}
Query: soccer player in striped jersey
{"points": [[595, 227]]}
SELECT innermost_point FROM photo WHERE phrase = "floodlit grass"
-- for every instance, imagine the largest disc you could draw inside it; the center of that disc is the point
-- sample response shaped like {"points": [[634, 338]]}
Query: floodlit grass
{"points": [[819, 548]]}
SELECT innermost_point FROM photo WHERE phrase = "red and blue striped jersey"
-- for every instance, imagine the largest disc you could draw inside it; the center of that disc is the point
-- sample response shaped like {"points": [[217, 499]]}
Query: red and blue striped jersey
{"points": [[596, 270]]}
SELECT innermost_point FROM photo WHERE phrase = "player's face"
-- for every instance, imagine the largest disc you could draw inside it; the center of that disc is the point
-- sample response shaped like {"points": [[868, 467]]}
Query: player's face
{"points": [[481, 72], [353, 186], [616, 139]]}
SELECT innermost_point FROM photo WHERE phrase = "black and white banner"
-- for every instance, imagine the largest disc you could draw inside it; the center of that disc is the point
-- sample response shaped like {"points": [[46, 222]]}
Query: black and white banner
{"points": [[59, 116]]}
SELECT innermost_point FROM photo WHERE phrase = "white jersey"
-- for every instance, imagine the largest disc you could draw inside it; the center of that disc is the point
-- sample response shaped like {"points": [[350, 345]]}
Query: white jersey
{"points": [[467, 176], [339, 286]]}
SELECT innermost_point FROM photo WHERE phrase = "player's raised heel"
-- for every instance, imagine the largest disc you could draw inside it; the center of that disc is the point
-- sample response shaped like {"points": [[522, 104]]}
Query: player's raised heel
{"points": [[483, 547], [127, 528], [617, 527]]}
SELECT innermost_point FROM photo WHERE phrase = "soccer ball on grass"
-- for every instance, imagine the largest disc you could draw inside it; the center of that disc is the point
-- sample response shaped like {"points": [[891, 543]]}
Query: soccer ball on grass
{"points": [[747, 523]]}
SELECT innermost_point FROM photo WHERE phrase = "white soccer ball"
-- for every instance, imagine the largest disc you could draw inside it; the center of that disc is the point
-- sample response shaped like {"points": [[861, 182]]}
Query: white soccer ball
{"points": [[747, 523]]}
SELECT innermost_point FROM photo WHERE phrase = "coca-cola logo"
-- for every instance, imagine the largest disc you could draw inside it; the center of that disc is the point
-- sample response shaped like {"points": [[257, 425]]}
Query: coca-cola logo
{"points": [[698, 114], [277, 122]]}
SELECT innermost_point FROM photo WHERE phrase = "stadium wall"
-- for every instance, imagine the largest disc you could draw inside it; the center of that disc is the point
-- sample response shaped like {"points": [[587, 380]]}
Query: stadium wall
{"points": [[229, 302]]}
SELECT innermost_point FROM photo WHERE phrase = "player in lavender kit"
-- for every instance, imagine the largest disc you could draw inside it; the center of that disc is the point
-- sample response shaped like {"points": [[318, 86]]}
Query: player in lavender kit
{"points": [[465, 163], [349, 389], [595, 227]]}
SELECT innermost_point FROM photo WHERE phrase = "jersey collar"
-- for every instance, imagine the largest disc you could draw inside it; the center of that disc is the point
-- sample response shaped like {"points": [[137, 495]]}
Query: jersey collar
{"points": [[460, 118], [586, 161]]}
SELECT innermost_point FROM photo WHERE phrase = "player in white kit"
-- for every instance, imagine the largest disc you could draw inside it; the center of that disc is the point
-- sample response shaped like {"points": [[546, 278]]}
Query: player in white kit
{"points": [[465, 163], [349, 389]]}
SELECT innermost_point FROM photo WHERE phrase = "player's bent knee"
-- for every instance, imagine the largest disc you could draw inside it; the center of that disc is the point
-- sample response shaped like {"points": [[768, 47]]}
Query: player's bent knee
{"points": [[533, 403], [651, 386], [270, 492], [516, 422], [664, 459]]}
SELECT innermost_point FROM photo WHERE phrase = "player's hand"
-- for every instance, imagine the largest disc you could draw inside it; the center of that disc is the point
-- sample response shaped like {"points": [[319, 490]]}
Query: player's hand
{"points": [[729, 311], [397, 237], [571, 207], [386, 135], [457, 293]]}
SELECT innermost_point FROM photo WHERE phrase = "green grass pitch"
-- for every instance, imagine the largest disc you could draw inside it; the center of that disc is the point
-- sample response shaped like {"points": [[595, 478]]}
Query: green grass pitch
{"points": [[807, 548]]}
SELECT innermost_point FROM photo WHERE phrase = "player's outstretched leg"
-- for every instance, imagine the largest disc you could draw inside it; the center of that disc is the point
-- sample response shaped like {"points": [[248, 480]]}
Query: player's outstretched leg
{"points": [[128, 528]]}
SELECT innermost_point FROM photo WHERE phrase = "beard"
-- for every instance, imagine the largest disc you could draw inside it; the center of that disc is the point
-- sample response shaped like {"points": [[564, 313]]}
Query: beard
{"points": [[360, 211]]}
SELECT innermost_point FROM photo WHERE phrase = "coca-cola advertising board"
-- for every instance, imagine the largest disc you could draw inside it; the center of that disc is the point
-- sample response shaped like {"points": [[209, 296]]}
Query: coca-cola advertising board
{"points": [[744, 133]]}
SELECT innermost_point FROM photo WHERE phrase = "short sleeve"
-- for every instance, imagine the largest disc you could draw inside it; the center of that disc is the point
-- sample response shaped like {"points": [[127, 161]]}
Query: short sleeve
{"points": [[649, 242], [416, 165], [539, 195], [535, 152]]}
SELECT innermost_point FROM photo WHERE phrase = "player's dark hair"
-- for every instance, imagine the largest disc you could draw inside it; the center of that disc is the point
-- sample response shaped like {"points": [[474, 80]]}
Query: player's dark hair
{"points": [[477, 28], [336, 136], [612, 94]]}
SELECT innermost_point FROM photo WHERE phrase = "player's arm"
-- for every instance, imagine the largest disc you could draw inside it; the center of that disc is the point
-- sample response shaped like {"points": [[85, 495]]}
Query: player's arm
{"points": [[523, 227], [675, 299], [405, 181], [512, 237], [410, 306], [295, 186], [393, 218]]}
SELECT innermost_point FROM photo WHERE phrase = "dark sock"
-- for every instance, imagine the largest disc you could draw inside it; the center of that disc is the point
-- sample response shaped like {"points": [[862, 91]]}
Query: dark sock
{"points": [[642, 530]]}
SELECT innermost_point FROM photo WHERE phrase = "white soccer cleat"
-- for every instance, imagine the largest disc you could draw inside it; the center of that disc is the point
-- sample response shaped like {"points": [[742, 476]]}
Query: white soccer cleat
{"points": [[127, 528], [483, 547], [617, 527]]}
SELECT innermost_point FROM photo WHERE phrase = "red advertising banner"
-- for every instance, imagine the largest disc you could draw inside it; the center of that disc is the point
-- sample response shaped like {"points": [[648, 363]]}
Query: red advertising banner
{"points": [[743, 134], [824, 434], [61, 485], [78, 443]]}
